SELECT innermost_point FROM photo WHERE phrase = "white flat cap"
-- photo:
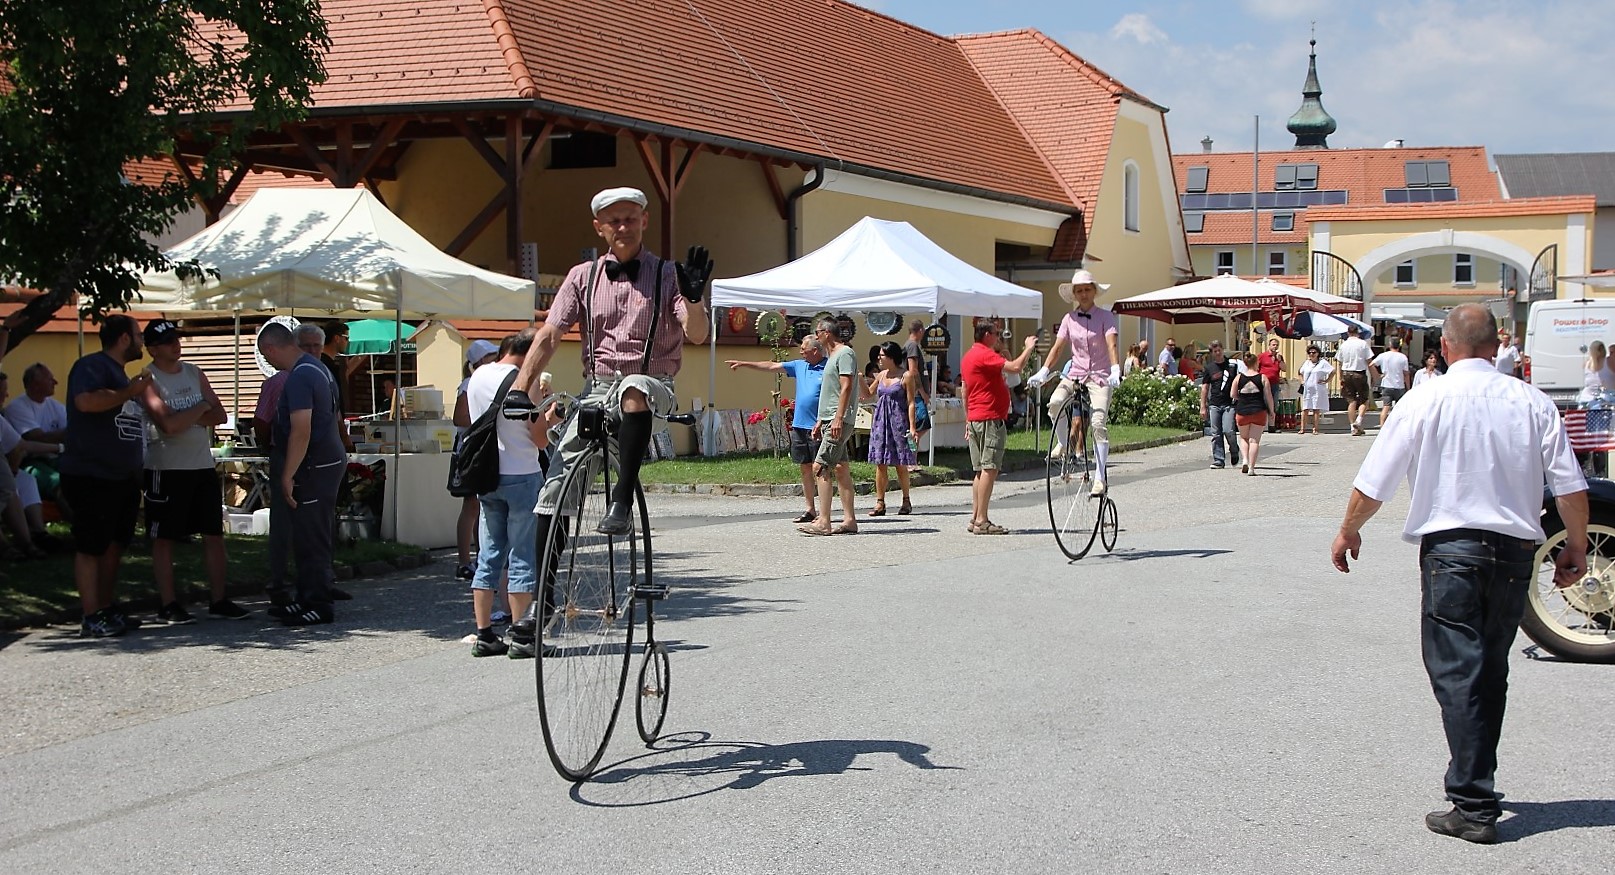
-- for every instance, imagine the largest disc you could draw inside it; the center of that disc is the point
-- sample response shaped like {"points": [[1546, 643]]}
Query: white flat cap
{"points": [[616, 195]]}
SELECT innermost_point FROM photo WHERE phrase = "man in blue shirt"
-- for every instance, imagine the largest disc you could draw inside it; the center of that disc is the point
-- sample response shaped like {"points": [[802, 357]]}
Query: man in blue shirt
{"points": [[308, 463], [101, 464], [808, 372]]}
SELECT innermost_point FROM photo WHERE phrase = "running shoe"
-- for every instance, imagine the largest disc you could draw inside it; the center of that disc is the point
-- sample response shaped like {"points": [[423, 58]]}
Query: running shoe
{"points": [[228, 610], [174, 614]]}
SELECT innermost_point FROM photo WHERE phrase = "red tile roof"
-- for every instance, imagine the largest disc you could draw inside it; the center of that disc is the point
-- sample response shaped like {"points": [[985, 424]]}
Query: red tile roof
{"points": [[1363, 173], [1064, 106], [851, 84], [820, 78]]}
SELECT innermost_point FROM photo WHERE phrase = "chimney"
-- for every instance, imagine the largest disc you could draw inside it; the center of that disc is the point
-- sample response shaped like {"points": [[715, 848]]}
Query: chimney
{"points": [[1205, 145]]}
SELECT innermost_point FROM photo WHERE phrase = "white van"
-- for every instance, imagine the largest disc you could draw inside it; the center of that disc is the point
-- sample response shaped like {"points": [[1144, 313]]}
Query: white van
{"points": [[1556, 337]]}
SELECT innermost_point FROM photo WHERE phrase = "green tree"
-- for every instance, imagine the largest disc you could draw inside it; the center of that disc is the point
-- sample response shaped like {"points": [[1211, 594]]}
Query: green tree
{"points": [[87, 86]]}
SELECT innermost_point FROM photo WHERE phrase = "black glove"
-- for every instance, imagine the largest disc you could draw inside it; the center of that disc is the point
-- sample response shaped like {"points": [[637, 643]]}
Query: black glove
{"points": [[693, 273]]}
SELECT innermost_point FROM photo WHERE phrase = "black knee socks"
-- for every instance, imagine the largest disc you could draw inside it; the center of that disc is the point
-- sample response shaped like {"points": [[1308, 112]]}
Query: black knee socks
{"points": [[632, 441]]}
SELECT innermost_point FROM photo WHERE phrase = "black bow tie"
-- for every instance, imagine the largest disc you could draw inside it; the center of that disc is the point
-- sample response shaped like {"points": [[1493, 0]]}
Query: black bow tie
{"points": [[1082, 315], [617, 270]]}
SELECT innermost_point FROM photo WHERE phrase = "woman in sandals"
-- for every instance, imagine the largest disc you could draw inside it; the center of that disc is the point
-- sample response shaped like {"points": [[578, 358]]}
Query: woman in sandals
{"points": [[893, 426]]}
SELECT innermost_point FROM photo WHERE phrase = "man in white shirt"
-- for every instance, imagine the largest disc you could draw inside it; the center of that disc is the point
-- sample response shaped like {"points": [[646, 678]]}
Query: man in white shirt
{"points": [[1391, 369], [509, 531], [1508, 355], [1476, 449], [38, 416], [1353, 355], [1169, 358]]}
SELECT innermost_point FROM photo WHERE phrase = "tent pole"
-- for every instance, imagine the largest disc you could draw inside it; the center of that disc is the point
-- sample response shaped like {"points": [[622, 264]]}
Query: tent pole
{"points": [[398, 387], [235, 402], [935, 366]]}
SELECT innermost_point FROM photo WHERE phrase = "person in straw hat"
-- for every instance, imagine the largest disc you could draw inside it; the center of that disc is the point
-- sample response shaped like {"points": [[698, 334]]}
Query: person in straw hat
{"points": [[1090, 332]]}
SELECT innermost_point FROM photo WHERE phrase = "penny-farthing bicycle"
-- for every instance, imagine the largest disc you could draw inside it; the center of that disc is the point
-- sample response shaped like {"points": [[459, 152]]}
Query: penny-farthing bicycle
{"points": [[1077, 516], [594, 590]]}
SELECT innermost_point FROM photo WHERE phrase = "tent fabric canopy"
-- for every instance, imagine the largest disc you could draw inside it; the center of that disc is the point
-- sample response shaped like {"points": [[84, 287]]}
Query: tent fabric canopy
{"points": [[1222, 297], [877, 265], [337, 251]]}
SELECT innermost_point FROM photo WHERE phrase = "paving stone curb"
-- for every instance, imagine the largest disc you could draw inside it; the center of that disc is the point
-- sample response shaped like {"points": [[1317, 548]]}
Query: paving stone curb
{"points": [[865, 487]]}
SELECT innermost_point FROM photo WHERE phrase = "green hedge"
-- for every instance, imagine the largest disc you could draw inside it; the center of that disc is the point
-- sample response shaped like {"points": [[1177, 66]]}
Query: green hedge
{"points": [[1147, 398]]}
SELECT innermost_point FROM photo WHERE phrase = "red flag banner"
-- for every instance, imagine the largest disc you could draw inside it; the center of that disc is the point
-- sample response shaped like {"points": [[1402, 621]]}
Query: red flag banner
{"points": [[1273, 315]]}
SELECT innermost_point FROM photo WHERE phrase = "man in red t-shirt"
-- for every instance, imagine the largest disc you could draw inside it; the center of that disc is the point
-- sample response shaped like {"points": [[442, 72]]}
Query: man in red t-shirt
{"points": [[1271, 365], [986, 414]]}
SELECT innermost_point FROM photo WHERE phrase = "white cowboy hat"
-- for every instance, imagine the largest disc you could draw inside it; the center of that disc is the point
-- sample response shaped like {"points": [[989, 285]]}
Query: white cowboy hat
{"points": [[1080, 278]]}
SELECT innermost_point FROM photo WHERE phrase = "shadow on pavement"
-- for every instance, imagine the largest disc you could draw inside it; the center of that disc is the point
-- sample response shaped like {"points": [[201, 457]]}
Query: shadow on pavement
{"points": [[1532, 818], [692, 764], [1127, 555], [695, 590]]}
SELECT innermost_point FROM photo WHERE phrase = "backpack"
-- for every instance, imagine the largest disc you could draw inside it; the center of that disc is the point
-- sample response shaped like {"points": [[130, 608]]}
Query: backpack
{"points": [[474, 470]]}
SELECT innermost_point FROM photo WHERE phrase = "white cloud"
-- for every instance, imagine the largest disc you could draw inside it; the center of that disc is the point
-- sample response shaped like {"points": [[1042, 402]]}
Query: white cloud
{"points": [[1138, 27], [1510, 77]]}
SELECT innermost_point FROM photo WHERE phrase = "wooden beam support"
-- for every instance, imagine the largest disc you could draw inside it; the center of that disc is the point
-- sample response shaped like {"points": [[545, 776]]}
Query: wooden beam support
{"points": [[378, 147], [513, 188], [312, 152], [344, 156], [684, 165], [480, 144], [477, 225]]}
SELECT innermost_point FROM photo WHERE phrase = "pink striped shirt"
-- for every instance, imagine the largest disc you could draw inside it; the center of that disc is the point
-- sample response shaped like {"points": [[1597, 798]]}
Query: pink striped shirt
{"points": [[620, 316]]}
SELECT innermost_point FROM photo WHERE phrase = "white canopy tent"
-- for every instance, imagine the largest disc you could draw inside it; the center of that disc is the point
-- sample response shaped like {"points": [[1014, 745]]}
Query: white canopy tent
{"points": [[338, 252], [874, 266], [880, 266]]}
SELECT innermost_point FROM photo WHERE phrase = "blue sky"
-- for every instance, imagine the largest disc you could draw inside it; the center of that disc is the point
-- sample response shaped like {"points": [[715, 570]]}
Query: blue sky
{"points": [[1510, 76]]}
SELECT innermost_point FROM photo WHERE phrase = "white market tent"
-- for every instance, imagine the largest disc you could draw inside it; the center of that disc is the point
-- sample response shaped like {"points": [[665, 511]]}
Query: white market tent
{"points": [[877, 266], [337, 251], [880, 266]]}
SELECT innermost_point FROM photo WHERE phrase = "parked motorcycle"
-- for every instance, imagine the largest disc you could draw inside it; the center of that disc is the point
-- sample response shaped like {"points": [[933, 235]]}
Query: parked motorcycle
{"points": [[1577, 622]]}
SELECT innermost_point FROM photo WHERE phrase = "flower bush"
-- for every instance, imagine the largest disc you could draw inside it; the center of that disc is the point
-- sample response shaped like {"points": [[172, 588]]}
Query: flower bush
{"points": [[1147, 398], [362, 488]]}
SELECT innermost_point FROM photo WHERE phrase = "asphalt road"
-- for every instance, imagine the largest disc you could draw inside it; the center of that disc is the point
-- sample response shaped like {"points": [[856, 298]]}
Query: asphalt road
{"points": [[1212, 697]]}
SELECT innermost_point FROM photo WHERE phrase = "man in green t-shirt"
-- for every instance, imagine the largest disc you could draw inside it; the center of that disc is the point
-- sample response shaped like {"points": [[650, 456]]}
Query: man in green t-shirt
{"points": [[838, 409]]}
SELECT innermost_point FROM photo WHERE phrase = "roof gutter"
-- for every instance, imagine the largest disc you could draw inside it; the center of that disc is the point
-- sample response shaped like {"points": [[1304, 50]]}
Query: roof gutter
{"points": [[792, 225]]}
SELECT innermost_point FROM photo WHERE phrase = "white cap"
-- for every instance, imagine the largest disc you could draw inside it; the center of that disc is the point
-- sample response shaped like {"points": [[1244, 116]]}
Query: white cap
{"points": [[616, 195], [1080, 278]]}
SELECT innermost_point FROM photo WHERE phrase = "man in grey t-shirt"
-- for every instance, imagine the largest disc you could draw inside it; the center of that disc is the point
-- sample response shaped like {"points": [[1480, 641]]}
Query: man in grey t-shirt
{"points": [[838, 410]]}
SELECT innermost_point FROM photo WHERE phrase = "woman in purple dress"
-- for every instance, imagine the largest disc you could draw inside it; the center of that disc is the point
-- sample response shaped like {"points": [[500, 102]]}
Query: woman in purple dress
{"points": [[892, 430]]}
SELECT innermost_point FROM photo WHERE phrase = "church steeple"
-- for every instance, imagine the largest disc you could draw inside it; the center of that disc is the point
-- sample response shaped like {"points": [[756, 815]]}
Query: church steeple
{"points": [[1312, 124]]}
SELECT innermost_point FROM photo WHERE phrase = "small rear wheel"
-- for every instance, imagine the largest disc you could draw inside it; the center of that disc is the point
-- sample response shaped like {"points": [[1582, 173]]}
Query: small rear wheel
{"points": [[655, 680], [1108, 525]]}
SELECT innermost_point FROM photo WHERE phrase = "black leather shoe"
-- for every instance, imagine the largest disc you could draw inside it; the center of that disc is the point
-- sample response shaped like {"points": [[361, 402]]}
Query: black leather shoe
{"points": [[1452, 823], [616, 520], [338, 595]]}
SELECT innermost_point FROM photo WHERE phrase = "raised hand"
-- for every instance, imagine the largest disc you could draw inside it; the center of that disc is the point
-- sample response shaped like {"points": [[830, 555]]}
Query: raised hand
{"points": [[693, 273]]}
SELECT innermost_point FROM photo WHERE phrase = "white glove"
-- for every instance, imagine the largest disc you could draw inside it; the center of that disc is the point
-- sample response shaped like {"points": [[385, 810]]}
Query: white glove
{"points": [[1039, 378], [1115, 376]]}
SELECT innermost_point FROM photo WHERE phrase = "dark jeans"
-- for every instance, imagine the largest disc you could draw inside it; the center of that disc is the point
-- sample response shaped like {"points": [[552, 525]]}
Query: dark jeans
{"points": [[1223, 431], [313, 521], [1474, 590], [280, 539]]}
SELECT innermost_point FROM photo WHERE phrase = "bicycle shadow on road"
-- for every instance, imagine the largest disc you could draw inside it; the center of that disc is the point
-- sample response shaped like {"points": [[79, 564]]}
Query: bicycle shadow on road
{"points": [[692, 764], [1126, 554], [1533, 818]]}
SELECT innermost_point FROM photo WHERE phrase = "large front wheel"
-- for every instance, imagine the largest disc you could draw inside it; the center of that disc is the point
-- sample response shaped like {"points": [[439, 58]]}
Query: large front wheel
{"points": [[1074, 511], [1576, 622], [588, 629]]}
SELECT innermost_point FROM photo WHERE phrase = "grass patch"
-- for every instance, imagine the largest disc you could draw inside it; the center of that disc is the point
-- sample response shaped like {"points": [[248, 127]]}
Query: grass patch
{"points": [[45, 587], [764, 468]]}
